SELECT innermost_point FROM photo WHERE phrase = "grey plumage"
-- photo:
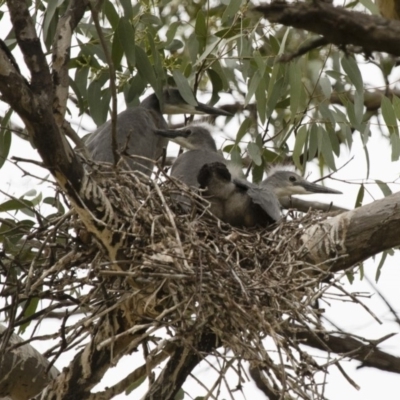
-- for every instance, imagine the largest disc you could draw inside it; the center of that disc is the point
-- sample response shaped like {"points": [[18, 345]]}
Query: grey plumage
{"points": [[136, 127], [232, 199], [237, 201]]}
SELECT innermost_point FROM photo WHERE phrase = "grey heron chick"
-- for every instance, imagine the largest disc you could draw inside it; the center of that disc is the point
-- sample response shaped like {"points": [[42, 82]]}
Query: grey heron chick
{"points": [[238, 201], [201, 149], [136, 128], [287, 183]]}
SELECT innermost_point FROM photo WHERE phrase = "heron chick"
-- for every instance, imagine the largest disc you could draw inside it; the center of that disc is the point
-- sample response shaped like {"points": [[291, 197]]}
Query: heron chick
{"points": [[238, 201], [136, 128], [284, 183], [201, 149]]}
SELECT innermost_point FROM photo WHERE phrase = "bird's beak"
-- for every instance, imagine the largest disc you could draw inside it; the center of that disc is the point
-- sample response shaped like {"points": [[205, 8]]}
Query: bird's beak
{"points": [[310, 188], [177, 136], [173, 133], [201, 108]]}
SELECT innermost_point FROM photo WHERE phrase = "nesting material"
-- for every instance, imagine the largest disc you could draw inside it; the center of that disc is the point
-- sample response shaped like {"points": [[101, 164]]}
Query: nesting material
{"points": [[190, 273]]}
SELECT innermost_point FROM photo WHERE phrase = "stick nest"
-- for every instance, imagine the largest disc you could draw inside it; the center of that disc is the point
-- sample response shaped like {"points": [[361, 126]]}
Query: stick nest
{"points": [[191, 274]]}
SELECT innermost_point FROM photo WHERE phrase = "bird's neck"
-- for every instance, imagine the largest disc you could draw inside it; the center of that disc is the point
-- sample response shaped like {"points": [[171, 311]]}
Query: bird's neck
{"points": [[151, 102]]}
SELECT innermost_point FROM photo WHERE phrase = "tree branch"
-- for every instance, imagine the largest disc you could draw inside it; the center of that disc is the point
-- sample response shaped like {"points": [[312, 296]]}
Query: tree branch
{"points": [[369, 355], [61, 55], [23, 371], [337, 25], [354, 236]]}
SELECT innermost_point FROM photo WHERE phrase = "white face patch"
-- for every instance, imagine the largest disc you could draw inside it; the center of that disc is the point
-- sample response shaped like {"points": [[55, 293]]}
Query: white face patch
{"points": [[289, 191], [183, 142]]}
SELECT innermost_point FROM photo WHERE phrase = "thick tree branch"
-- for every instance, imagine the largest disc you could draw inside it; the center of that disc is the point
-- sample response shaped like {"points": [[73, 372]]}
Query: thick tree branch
{"points": [[23, 371], [179, 366], [337, 25], [356, 235], [31, 48], [61, 55]]}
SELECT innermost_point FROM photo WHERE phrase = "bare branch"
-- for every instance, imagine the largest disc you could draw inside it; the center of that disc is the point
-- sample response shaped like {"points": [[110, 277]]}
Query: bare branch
{"points": [[337, 25], [61, 55]]}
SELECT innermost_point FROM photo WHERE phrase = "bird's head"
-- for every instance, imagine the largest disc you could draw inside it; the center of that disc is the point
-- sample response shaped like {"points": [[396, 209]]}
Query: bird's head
{"points": [[192, 137], [287, 183]]}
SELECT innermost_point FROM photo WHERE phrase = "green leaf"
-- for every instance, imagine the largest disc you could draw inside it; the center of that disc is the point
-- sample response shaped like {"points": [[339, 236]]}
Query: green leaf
{"points": [[381, 263], [111, 14], [370, 6], [326, 148], [350, 67], [150, 19], [395, 143], [212, 42], [259, 61], [244, 128], [360, 196], [126, 34], [350, 276], [180, 395], [389, 115], [15, 205], [171, 32], [216, 83], [296, 86], [144, 67], [116, 49], [5, 137], [254, 153], [261, 99], [184, 88], [252, 87], [313, 142], [135, 385], [175, 45], [326, 86], [396, 106], [359, 106], [235, 155], [48, 17], [230, 11], [94, 95], [30, 310], [301, 138], [127, 6], [384, 187], [274, 96], [201, 29]]}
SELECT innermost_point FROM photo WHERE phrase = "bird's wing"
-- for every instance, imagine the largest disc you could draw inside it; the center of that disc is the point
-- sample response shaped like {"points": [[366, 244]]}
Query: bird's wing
{"points": [[262, 196]]}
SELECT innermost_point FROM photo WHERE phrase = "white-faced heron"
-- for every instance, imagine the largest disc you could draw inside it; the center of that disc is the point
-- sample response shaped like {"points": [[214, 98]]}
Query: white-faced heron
{"points": [[136, 126]]}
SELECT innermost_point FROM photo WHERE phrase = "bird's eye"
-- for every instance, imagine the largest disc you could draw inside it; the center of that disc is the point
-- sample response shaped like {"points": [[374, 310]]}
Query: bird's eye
{"points": [[292, 178]]}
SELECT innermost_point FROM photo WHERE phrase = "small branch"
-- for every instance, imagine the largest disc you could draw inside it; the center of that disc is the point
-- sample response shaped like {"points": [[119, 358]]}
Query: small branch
{"points": [[313, 44]]}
